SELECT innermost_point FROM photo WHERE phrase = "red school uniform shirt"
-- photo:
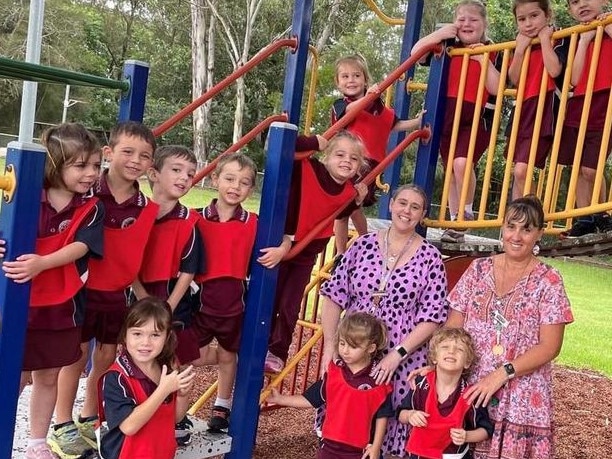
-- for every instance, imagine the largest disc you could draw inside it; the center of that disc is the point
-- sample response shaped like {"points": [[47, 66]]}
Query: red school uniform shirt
{"points": [[68, 312]]}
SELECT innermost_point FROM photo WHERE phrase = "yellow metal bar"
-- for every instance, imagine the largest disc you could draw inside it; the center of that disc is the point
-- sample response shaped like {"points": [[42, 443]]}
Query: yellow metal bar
{"points": [[8, 183], [314, 72], [382, 16], [212, 390]]}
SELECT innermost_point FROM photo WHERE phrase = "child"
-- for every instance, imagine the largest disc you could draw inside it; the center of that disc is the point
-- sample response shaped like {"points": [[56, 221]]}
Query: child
{"points": [[69, 232], [533, 20], [468, 30], [226, 228], [584, 12], [173, 254], [356, 407], [129, 217], [318, 188], [373, 126], [143, 393], [443, 423]]}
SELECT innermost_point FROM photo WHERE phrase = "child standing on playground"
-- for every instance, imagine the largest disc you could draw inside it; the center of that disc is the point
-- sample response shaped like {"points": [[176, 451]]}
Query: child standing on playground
{"points": [[228, 235], [356, 408], [533, 20], [144, 393], [173, 255], [584, 12], [373, 126], [128, 219], [69, 232], [318, 189], [468, 30], [443, 423]]}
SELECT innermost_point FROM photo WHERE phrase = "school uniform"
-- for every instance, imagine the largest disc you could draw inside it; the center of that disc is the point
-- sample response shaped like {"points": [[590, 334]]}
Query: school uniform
{"points": [[174, 247], [57, 301], [120, 390], [353, 404], [220, 299], [434, 439], [313, 195], [597, 111], [126, 228]]}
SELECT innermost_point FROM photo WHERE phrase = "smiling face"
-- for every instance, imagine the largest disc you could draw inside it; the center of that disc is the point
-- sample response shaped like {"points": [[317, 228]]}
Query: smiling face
{"points": [[343, 159], [174, 179], [351, 80], [80, 175], [407, 210], [471, 24], [235, 183], [451, 355], [130, 157], [586, 10], [519, 238], [531, 18], [145, 342]]}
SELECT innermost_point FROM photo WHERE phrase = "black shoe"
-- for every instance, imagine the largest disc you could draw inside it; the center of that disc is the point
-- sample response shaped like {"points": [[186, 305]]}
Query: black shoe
{"points": [[182, 431], [603, 222], [219, 420], [581, 227]]}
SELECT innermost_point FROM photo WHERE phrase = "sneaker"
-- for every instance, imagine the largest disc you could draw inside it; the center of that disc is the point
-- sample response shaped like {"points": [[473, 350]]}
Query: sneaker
{"points": [[581, 227], [87, 429], [40, 451], [182, 431], [273, 363], [603, 222], [67, 442], [219, 420], [453, 236]]}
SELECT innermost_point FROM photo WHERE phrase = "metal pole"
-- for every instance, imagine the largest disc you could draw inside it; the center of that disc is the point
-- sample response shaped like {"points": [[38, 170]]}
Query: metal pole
{"points": [[66, 103], [30, 88]]}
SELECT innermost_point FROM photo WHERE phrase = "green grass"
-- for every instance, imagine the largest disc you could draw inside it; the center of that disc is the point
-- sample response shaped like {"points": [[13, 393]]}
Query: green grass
{"points": [[587, 339]]}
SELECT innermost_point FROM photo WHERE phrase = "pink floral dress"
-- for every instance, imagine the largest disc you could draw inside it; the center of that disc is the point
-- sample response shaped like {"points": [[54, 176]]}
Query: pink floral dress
{"points": [[522, 409]]}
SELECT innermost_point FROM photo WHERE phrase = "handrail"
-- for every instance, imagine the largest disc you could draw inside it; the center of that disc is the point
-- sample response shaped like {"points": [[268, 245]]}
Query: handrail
{"points": [[13, 69], [248, 65], [423, 133], [365, 101], [382, 16], [314, 66], [239, 144]]}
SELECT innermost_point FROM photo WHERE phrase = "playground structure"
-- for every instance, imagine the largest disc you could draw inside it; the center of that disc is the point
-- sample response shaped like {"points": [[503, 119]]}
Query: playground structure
{"points": [[25, 161]]}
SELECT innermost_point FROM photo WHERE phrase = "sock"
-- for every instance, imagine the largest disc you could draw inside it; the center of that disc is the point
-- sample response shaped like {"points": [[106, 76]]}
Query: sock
{"points": [[35, 442], [87, 418], [468, 209], [224, 402], [453, 217], [56, 427]]}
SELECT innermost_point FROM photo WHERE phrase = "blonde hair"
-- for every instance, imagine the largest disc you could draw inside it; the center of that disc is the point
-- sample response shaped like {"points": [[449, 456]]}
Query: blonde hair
{"points": [[480, 8], [242, 160], [358, 145], [355, 60], [360, 328], [455, 334]]}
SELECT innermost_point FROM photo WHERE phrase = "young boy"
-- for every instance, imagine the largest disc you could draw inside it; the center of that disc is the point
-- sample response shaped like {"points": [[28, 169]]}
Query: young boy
{"points": [[443, 423], [226, 228], [129, 217], [173, 255]]}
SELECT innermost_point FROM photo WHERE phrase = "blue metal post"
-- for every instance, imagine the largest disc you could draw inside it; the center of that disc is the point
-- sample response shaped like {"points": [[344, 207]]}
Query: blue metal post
{"points": [[414, 14], [18, 227], [260, 295], [132, 103]]}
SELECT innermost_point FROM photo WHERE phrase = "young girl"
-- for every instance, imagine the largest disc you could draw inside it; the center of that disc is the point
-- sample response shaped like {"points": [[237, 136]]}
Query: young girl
{"points": [[443, 423], [533, 20], [70, 230], [143, 394], [372, 125], [356, 407], [318, 188], [583, 12], [468, 30]]}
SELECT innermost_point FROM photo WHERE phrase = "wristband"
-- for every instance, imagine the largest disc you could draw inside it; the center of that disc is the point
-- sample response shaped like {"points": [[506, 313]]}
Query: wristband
{"points": [[401, 350]]}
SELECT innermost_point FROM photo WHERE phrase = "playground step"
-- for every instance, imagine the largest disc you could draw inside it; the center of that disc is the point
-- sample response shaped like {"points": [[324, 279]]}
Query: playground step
{"points": [[203, 443]]}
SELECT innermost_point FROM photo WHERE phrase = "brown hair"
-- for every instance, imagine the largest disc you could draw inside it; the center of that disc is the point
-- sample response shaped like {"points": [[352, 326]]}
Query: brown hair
{"points": [[456, 334], [360, 328], [243, 162], [411, 187], [356, 60], [172, 151], [65, 144], [357, 143], [482, 11], [131, 129], [526, 210], [152, 308]]}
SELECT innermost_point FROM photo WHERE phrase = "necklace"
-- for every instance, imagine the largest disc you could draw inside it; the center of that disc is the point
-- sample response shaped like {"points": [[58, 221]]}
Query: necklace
{"points": [[388, 266]]}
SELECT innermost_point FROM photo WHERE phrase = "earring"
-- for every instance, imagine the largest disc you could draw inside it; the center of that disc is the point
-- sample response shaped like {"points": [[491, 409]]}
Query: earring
{"points": [[536, 249]]}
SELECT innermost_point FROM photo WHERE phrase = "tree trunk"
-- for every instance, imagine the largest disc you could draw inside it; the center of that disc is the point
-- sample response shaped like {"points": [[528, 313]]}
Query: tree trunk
{"points": [[199, 74]]}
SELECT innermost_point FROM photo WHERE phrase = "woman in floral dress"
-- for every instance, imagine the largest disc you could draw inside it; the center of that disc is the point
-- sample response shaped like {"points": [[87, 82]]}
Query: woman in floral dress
{"points": [[515, 307], [398, 277]]}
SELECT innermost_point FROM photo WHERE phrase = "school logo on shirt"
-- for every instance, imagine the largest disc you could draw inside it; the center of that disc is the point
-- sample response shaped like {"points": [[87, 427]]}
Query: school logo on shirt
{"points": [[365, 386], [63, 226], [127, 222]]}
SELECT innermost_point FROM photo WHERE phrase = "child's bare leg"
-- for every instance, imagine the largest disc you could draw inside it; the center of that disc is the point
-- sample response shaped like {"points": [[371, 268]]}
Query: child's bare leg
{"points": [[42, 401], [208, 356], [453, 198], [26, 378], [359, 221], [341, 234], [520, 179], [459, 166], [584, 187], [227, 373], [68, 384], [103, 357]]}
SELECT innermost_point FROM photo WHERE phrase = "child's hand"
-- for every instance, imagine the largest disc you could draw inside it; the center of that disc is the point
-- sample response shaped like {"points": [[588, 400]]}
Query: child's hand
{"points": [[168, 381], [186, 378], [274, 397], [362, 192], [271, 256], [423, 371], [476, 57], [545, 34], [458, 436], [2, 248], [322, 142], [24, 268], [522, 42], [587, 37], [447, 31], [417, 418], [374, 89], [369, 452], [419, 117]]}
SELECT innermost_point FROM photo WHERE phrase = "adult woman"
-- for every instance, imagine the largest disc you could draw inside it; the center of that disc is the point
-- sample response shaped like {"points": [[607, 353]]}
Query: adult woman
{"points": [[397, 276], [515, 308]]}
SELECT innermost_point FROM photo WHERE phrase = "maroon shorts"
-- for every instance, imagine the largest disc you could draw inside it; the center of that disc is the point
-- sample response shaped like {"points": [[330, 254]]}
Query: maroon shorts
{"points": [[523, 147], [226, 330], [590, 149], [335, 450], [463, 143], [104, 326], [51, 348], [187, 348]]}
